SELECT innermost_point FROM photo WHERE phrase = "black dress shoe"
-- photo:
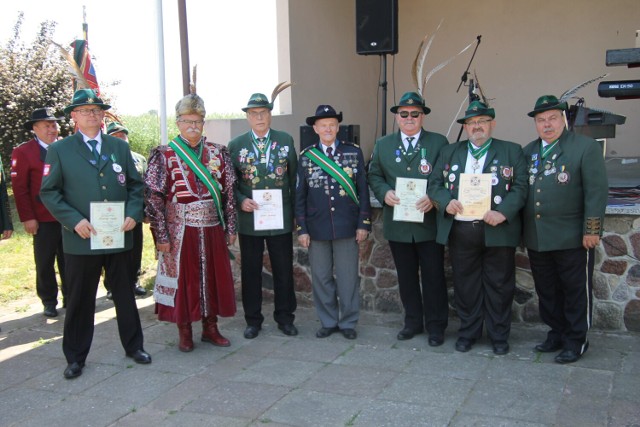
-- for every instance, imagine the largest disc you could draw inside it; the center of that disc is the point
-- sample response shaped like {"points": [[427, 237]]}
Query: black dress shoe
{"points": [[73, 370], [251, 332], [325, 332], [548, 346], [50, 310], [109, 296], [500, 347], [435, 340], [139, 290], [349, 333], [288, 329], [140, 356], [407, 334], [567, 356], [464, 344]]}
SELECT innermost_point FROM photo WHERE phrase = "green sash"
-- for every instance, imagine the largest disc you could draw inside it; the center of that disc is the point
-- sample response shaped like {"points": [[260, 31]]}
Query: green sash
{"points": [[201, 172], [330, 167]]}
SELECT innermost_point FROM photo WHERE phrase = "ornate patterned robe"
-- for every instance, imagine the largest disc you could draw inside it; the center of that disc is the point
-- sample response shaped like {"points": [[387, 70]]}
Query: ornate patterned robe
{"points": [[194, 278]]}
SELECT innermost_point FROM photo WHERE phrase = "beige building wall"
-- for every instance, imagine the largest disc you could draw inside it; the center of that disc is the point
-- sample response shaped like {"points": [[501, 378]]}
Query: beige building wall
{"points": [[527, 49]]}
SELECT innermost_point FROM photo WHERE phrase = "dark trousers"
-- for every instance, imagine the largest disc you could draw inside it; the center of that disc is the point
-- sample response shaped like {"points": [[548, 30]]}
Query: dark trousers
{"points": [[136, 257], [564, 283], [484, 281], [422, 264], [280, 249], [47, 249], [83, 276]]}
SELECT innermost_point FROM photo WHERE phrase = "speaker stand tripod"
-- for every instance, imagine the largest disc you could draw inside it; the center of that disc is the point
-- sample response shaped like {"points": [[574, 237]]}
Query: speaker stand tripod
{"points": [[383, 85]]}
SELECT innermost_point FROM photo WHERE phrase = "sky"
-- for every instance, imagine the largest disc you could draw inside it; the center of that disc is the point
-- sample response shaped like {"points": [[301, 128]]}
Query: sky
{"points": [[226, 41]]}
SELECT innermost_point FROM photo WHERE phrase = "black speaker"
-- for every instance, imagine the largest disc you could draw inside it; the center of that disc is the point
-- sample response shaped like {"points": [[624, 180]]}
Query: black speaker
{"points": [[376, 27], [349, 133]]}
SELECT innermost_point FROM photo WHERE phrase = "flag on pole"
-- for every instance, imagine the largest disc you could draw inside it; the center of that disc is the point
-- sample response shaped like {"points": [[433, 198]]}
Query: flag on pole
{"points": [[83, 59]]}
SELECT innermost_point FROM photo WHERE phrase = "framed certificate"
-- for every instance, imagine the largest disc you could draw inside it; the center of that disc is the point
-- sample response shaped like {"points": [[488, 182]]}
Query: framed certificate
{"points": [[474, 193], [107, 219], [409, 190], [270, 214]]}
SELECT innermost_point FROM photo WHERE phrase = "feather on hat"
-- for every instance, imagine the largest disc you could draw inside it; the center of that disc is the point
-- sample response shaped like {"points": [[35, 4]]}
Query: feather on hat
{"points": [[192, 103]]}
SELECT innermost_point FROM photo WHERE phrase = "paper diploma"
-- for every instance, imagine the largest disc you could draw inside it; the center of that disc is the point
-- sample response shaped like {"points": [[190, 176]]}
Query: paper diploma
{"points": [[475, 195], [107, 219], [270, 215], [409, 190]]}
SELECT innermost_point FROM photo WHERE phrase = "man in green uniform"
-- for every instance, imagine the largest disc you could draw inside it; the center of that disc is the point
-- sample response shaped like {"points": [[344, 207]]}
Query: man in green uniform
{"points": [[419, 259], [482, 247], [265, 163], [563, 220], [120, 131], [79, 170]]}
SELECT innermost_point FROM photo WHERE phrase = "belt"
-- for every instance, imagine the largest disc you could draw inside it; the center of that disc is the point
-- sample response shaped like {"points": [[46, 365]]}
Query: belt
{"points": [[475, 223]]}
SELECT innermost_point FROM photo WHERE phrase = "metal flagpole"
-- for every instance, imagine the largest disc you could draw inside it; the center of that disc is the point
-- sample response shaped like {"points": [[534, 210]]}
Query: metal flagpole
{"points": [[162, 78]]}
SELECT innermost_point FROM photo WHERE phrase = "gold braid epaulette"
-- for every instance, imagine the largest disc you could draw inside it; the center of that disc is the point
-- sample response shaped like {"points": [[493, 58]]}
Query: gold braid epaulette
{"points": [[593, 226]]}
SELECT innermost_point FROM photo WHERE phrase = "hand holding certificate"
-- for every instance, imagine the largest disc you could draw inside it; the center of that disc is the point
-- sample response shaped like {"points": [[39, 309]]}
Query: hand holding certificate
{"points": [[475, 195], [409, 190], [270, 214], [107, 218]]}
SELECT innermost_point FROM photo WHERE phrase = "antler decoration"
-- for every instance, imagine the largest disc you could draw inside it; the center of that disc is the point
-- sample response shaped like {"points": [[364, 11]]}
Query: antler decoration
{"points": [[192, 85], [81, 81], [575, 89], [279, 88]]}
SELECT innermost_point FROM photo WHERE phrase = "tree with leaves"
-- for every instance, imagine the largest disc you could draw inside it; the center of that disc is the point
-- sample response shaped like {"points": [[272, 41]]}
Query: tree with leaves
{"points": [[31, 76]]}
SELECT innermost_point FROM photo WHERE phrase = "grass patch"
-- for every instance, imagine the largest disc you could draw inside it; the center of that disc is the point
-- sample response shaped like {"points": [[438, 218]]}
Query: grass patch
{"points": [[18, 271], [42, 341], [353, 419]]}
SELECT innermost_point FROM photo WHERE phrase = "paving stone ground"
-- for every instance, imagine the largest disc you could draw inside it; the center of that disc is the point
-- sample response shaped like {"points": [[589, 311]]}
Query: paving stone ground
{"points": [[275, 380]]}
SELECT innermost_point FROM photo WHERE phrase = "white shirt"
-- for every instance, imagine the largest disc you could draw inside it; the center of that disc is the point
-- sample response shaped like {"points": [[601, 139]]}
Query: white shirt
{"points": [[404, 137], [332, 146], [98, 138]]}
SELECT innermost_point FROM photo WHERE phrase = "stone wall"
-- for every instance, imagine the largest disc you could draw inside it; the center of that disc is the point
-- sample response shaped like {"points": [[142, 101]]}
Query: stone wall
{"points": [[616, 304]]}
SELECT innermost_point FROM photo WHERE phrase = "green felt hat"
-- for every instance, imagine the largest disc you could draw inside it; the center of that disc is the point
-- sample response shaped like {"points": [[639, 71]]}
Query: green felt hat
{"points": [[258, 100], [477, 108], [115, 127], [85, 97], [546, 103], [411, 99]]}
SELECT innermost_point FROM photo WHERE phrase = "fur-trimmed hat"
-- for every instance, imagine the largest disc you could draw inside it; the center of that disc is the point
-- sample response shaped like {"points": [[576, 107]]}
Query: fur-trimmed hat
{"points": [[191, 104]]}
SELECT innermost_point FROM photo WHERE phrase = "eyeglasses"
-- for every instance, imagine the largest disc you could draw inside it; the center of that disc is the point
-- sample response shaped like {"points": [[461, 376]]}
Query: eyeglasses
{"points": [[405, 114], [480, 122], [191, 122], [90, 111], [258, 114]]}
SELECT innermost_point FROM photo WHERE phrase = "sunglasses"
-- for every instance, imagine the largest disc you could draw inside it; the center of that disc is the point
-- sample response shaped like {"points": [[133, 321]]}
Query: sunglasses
{"points": [[405, 114]]}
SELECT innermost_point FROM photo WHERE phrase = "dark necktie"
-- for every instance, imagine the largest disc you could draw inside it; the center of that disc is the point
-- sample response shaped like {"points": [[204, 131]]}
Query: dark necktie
{"points": [[329, 152], [94, 149], [409, 146]]}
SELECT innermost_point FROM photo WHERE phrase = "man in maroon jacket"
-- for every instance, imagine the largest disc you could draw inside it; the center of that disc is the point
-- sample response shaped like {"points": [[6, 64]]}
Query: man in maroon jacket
{"points": [[27, 164]]}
